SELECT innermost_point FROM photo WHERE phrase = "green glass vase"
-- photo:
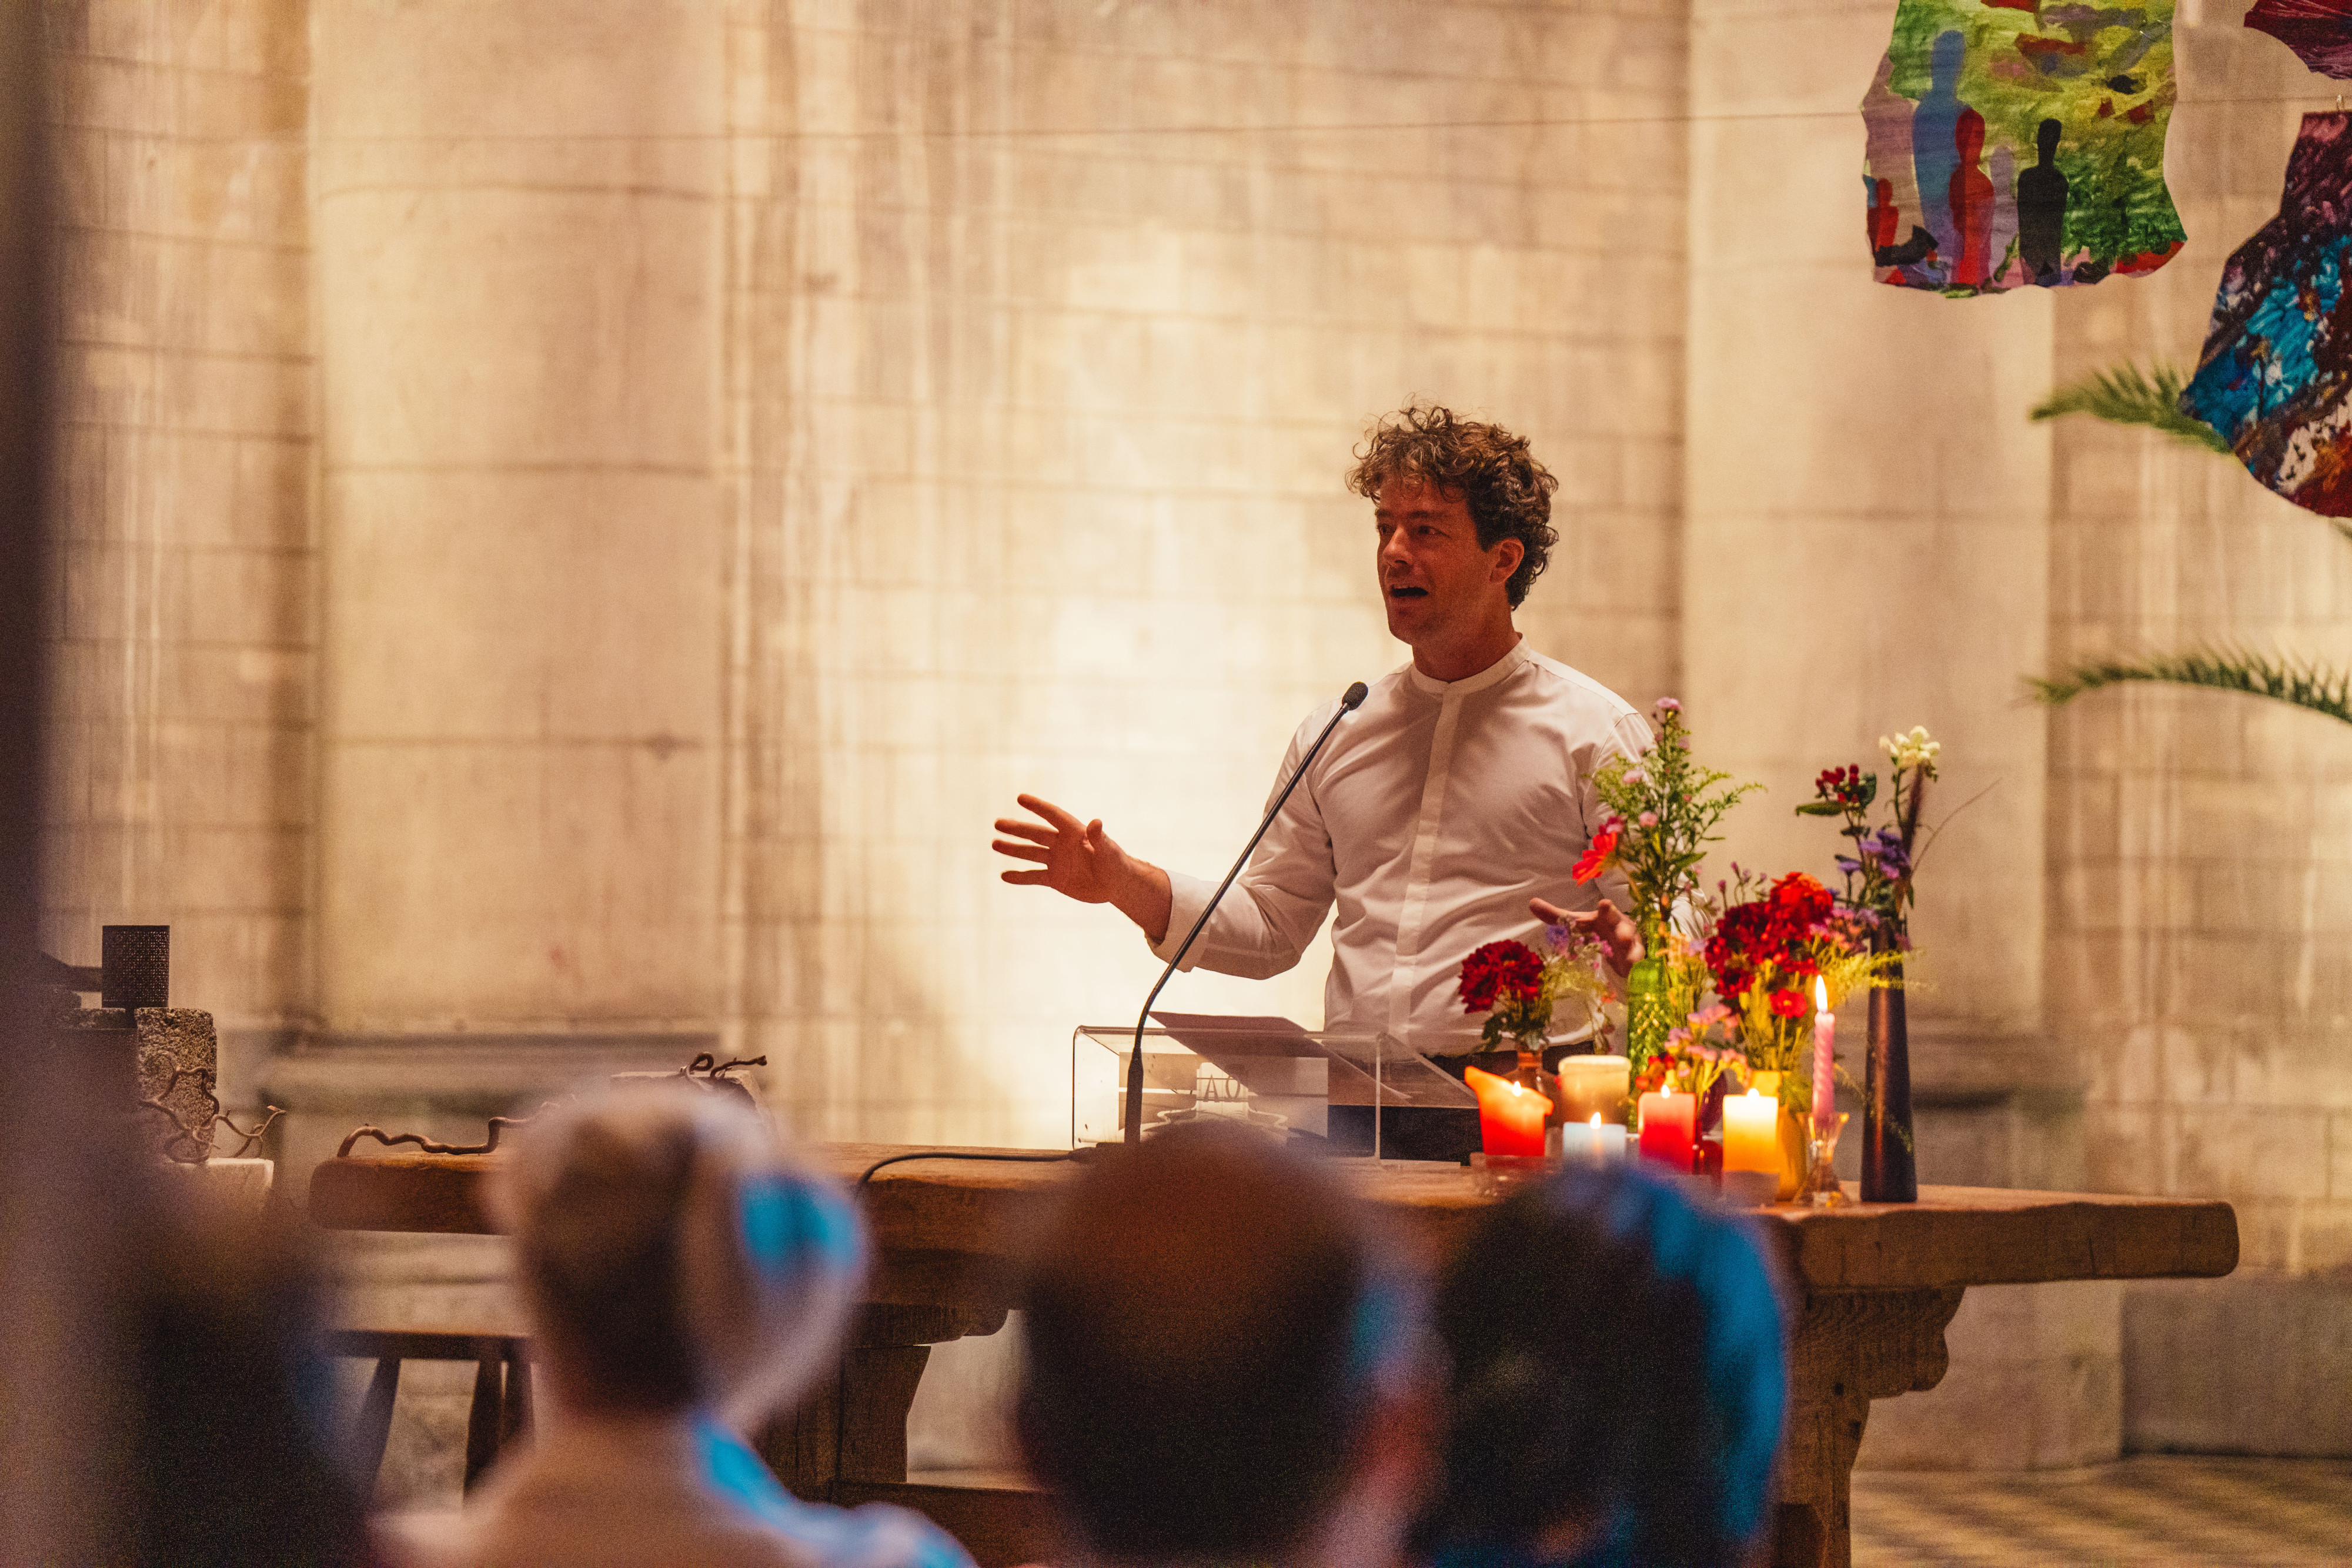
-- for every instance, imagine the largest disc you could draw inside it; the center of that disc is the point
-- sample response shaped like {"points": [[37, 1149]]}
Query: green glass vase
{"points": [[1649, 1001]]}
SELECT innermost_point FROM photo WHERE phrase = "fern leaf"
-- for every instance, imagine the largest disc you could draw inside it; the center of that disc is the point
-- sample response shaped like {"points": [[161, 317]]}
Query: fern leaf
{"points": [[2124, 396], [2304, 685]]}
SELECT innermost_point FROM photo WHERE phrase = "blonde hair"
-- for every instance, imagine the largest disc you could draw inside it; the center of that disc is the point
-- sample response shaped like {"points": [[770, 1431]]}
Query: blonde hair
{"points": [[672, 1253]]}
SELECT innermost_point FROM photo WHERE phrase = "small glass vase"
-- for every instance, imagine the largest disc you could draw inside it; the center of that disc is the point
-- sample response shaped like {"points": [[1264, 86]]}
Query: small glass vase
{"points": [[1822, 1189]]}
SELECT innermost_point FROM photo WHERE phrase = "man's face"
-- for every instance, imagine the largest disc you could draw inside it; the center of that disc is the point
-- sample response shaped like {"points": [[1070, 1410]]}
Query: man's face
{"points": [[1434, 579]]}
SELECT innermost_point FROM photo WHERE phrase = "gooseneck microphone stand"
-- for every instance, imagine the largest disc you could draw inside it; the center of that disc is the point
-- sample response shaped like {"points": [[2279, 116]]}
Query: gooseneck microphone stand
{"points": [[1348, 702]]}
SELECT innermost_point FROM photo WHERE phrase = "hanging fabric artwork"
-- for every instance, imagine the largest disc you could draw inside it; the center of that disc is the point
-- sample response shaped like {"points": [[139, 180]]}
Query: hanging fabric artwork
{"points": [[2275, 377], [2319, 31], [2019, 141]]}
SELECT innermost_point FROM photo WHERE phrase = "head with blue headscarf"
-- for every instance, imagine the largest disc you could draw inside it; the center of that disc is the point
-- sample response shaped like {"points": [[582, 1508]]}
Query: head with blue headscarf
{"points": [[1618, 1379], [673, 1256]]}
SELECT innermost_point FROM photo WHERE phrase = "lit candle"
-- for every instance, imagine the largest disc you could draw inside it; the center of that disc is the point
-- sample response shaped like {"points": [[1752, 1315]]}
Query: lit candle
{"points": [[1594, 1140], [1511, 1116], [1751, 1132], [1668, 1133], [1824, 1057], [1590, 1086]]}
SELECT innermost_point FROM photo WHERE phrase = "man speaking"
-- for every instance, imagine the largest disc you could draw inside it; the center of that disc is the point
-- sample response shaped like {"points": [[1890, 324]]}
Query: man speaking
{"points": [[1449, 808]]}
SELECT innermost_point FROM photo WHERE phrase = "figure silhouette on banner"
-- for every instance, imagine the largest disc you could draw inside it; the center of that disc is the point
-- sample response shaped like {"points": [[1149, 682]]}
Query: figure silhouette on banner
{"points": [[1970, 197], [1935, 124], [2041, 210]]}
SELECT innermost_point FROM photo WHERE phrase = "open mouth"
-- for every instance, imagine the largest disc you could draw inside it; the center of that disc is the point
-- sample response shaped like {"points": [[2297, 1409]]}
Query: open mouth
{"points": [[1406, 590]]}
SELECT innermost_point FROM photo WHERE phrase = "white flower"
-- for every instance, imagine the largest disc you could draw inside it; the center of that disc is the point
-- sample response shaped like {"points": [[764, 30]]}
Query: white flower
{"points": [[1912, 750]]}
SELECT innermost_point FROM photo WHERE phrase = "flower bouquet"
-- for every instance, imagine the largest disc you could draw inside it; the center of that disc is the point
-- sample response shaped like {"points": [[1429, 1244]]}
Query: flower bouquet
{"points": [[1880, 878], [1517, 988], [1663, 809], [1766, 952]]}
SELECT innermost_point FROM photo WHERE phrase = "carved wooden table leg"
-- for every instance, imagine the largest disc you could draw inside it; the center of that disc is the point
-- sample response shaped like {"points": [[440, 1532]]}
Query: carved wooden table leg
{"points": [[1850, 1347], [852, 1427]]}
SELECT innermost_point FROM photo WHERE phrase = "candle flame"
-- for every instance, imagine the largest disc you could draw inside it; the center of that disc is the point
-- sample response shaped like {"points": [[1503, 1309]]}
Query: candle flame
{"points": [[1751, 1092], [1596, 1118], [1820, 994]]}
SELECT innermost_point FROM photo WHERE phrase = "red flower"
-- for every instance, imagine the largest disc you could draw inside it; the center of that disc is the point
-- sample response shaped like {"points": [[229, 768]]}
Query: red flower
{"points": [[1773, 932], [1595, 858], [1788, 1003], [1500, 970]]}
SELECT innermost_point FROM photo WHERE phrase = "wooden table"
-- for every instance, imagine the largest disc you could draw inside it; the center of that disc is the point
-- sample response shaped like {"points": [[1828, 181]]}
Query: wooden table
{"points": [[1873, 1287]]}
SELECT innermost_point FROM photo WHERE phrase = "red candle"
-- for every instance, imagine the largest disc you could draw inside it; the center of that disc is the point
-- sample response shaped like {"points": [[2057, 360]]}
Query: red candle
{"points": [[1510, 1117], [1668, 1130]]}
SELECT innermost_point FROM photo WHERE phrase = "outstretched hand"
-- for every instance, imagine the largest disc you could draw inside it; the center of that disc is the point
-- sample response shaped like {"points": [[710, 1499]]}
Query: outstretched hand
{"points": [[1080, 861], [1610, 925]]}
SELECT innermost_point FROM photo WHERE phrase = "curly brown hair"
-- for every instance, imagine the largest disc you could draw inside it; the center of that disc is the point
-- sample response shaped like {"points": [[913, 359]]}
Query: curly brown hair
{"points": [[1507, 491]]}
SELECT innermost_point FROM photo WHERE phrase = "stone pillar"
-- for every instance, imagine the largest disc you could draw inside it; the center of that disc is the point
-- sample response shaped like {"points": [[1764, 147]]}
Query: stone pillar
{"points": [[518, 211], [1866, 550], [2200, 942], [184, 676]]}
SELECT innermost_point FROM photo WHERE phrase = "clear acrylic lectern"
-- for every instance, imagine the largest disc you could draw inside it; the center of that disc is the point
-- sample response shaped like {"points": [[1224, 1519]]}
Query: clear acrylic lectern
{"points": [[1268, 1074]]}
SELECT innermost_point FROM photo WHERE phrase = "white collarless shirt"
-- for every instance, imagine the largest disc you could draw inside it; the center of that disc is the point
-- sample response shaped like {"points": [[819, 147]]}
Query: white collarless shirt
{"points": [[1431, 816]]}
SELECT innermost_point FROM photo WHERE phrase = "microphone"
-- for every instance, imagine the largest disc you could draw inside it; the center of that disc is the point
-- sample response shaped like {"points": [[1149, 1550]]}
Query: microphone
{"points": [[1348, 702]]}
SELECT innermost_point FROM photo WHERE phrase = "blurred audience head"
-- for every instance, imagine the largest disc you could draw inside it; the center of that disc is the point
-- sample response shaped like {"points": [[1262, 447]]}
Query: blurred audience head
{"points": [[1619, 1377], [1217, 1365], [672, 1255]]}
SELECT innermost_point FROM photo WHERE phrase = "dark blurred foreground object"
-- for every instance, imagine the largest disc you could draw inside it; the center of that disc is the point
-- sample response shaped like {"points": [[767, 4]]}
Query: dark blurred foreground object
{"points": [[1217, 1368], [1619, 1381], [225, 1454]]}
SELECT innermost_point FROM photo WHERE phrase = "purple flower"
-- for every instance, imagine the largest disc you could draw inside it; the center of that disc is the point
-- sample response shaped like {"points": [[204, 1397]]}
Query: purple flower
{"points": [[1668, 705]]}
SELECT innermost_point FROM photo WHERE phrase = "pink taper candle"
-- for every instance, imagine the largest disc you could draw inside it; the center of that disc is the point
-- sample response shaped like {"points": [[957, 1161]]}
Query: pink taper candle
{"points": [[1824, 1058]]}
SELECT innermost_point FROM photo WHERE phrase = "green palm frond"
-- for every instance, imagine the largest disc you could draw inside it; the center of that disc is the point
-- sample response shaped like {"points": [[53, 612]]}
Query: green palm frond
{"points": [[2299, 684], [2124, 396]]}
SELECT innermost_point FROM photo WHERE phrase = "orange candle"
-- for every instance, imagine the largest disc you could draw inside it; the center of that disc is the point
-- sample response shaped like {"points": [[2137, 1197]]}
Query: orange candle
{"points": [[1510, 1117], [1751, 1132], [1668, 1132]]}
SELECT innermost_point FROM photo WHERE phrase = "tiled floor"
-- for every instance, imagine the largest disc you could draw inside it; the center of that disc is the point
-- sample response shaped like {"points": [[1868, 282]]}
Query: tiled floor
{"points": [[2149, 1509]]}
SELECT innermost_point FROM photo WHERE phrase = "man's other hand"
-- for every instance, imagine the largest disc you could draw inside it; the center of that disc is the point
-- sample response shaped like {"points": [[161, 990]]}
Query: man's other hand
{"points": [[1080, 861], [1612, 925]]}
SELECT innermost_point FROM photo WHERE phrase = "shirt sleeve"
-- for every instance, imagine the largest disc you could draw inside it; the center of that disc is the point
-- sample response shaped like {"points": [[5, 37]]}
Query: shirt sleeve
{"points": [[1277, 905]]}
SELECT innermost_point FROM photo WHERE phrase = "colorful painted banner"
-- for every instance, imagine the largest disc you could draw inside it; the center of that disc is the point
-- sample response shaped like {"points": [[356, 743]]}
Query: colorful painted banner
{"points": [[2275, 378], [2319, 31], [2012, 144]]}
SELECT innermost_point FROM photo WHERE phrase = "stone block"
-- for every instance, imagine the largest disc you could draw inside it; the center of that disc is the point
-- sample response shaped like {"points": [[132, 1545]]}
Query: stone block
{"points": [[2036, 1382], [2256, 1363]]}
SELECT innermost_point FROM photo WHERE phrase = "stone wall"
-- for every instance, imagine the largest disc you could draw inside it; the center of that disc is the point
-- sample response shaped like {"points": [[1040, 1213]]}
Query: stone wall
{"points": [[753, 441], [181, 789], [1047, 432]]}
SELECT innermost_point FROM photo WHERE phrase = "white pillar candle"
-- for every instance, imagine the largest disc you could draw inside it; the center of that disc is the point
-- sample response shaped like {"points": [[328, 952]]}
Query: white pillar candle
{"points": [[1594, 1085], [1592, 1139]]}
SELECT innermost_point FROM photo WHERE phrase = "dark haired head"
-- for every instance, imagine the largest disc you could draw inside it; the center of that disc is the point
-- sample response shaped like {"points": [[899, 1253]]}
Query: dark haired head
{"points": [[1205, 1338], [1507, 491], [1619, 1365]]}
